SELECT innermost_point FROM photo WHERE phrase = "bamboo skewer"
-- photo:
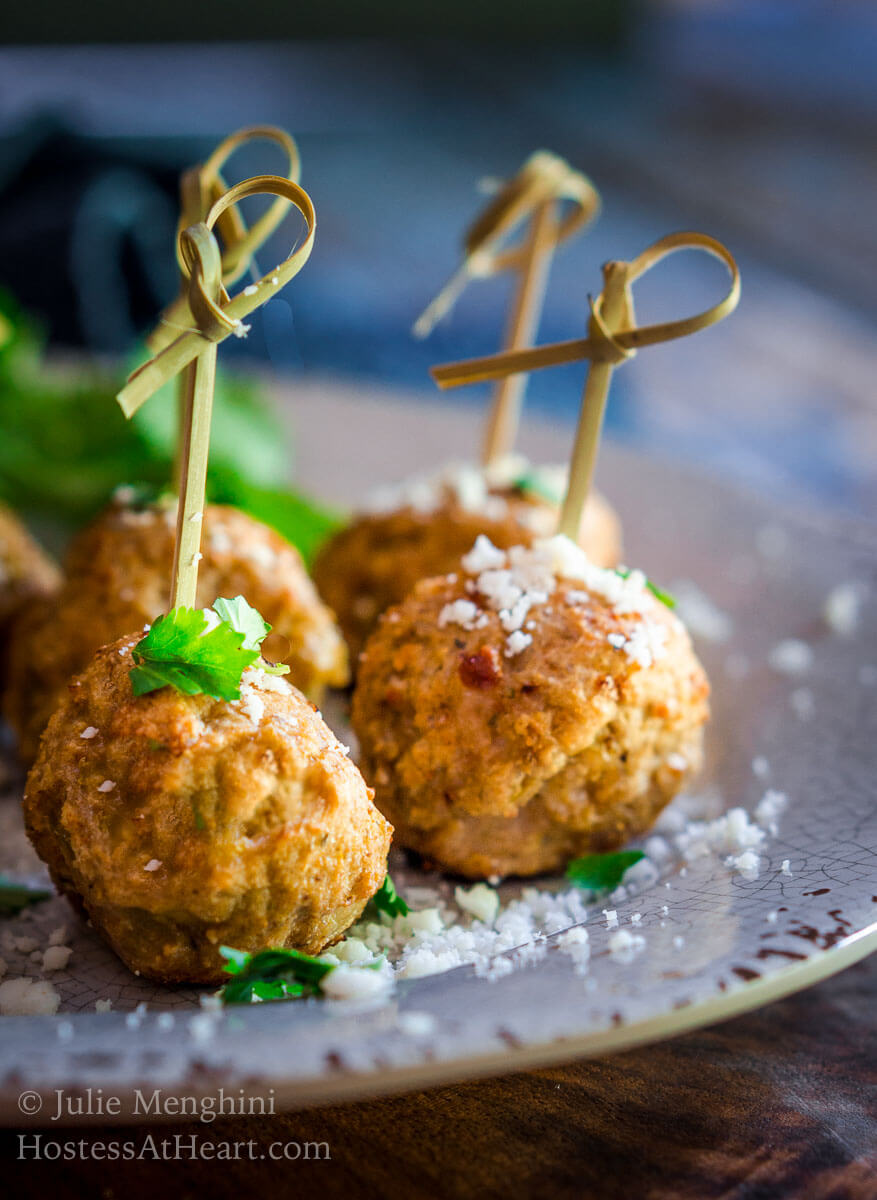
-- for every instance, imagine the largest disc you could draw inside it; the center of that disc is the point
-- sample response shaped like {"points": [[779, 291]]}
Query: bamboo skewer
{"points": [[200, 187], [587, 440], [215, 317], [505, 411], [613, 337], [536, 195]]}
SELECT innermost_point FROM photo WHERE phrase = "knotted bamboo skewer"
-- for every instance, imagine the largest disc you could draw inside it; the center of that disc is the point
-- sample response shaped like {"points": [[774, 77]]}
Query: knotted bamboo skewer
{"points": [[613, 338], [215, 316], [535, 195]]}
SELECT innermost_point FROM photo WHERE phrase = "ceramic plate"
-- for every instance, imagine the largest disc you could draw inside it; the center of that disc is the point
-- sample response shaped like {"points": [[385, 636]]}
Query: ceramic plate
{"points": [[716, 942]]}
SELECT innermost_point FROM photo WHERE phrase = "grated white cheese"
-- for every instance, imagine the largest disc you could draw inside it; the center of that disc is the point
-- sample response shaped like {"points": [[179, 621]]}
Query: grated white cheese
{"points": [[624, 945], [28, 998], [769, 808], [106, 786], [514, 584], [153, 864], [56, 958], [481, 901], [88, 733]]}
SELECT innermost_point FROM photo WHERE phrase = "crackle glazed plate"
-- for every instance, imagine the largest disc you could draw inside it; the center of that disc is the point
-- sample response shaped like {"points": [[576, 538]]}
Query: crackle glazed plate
{"points": [[717, 942]]}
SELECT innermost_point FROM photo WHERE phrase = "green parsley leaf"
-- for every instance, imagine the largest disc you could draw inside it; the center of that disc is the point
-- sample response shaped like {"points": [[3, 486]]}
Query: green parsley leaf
{"points": [[665, 597], [271, 975], [246, 620], [243, 618], [602, 872], [387, 900], [16, 896], [180, 651]]}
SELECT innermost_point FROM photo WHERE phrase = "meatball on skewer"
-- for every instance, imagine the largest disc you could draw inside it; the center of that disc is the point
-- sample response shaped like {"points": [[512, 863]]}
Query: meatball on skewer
{"points": [[117, 572], [179, 823], [527, 709], [422, 528]]}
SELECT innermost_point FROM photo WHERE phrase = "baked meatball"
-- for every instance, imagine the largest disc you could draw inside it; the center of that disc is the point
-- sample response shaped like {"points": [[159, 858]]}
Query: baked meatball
{"points": [[26, 572], [528, 709], [423, 528], [181, 823], [117, 579]]}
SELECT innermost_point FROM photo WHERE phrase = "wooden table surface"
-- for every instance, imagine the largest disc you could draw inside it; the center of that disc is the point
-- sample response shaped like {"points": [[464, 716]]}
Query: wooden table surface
{"points": [[779, 1103]]}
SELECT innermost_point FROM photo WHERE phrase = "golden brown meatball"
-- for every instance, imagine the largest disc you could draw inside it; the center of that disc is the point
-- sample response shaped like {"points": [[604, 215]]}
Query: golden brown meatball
{"points": [[516, 715], [26, 571], [181, 823], [376, 561], [118, 574]]}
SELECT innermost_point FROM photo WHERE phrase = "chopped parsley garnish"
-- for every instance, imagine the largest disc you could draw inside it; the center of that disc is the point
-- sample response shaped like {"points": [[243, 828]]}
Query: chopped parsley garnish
{"points": [[184, 650], [387, 900], [602, 872], [243, 618], [665, 597], [271, 975], [16, 896]]}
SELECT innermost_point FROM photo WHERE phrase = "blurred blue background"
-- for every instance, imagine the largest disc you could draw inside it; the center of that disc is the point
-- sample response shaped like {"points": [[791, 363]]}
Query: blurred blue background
{"points": [[755, 122]]}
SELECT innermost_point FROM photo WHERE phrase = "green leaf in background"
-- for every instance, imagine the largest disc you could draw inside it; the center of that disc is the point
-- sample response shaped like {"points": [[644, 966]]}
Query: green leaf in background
{"points": [[602, 872], [66, 446], [271, 975], [246, 437], [304, 522], [16, 896]]}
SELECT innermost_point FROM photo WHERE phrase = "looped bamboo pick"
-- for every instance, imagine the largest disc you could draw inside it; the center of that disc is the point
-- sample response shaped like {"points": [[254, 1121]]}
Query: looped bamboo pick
{"points": [[535, 195], [216, 317], [613, 337], [200, 187]]}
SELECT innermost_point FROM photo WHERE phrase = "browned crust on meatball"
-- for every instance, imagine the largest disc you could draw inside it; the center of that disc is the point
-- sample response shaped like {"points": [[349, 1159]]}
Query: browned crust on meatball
{"points": [[376, 561], [26, 571], [569, 748], [118, 574], [265, 831]]}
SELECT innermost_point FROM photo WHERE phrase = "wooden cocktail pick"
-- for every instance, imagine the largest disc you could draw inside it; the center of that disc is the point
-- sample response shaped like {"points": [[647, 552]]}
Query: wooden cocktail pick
{"points": [[200, 187], [536, 196], [613, 337], [215, 317]]}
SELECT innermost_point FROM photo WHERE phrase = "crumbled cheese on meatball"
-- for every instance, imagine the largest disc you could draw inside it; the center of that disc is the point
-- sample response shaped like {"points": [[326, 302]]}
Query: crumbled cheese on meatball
{"points": [[153, 864], [88, 733], [515, 583], [516, 642], [106, 786]]}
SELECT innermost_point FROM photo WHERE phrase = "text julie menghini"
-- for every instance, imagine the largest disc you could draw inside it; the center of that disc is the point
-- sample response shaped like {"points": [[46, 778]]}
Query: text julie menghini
{"points": [[71, 1106]]}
